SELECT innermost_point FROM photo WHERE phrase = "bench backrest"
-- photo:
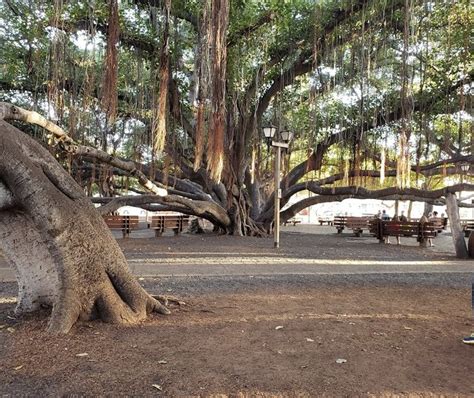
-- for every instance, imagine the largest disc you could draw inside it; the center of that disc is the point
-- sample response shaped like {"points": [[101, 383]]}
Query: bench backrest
{"points": [[169, 221], [358, 222], [339, 221], [121, 222], [467, 224], [403, 228]]}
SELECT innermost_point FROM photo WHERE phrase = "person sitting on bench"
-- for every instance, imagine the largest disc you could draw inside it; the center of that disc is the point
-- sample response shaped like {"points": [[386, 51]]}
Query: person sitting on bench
{"points": [[385, 217], [397, 218], [403, 217]]}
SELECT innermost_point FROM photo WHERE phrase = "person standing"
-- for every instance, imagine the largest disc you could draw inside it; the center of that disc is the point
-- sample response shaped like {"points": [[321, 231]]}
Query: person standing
{"points": [[398, 219], [385, 217], [432, 219], [470, 339]]}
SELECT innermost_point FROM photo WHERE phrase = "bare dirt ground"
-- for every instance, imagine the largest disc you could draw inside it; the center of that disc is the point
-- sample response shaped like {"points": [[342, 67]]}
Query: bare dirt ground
{"points": [[324, 332]]}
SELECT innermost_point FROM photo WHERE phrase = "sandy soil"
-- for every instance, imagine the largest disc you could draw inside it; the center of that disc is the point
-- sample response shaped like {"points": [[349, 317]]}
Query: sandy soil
{"points": [[282, 336]]}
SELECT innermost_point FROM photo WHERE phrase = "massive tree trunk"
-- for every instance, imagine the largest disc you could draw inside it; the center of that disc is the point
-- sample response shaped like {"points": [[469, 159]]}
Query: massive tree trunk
{"points": [[456, 231], [63, 253]]}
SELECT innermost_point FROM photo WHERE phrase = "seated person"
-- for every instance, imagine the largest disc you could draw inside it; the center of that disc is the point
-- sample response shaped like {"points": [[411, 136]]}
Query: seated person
{"points": [[397, 218], [403, 217]]}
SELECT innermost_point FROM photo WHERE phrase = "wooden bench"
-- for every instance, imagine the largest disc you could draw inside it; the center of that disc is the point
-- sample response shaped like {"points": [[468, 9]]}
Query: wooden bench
{"points": [[467, 226], [169, 221], [421, 231], [123, 223], [293, 221], [340, 223], [358, 224]]}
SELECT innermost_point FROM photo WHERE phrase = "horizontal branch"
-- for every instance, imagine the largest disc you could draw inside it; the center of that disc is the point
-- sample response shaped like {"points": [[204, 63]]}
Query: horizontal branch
{"points": [[354, 192], [208, 210], [12, 112]]}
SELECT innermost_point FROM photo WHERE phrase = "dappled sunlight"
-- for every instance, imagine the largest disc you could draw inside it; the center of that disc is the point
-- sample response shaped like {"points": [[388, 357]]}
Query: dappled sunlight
{"points": [[286, 260], [8, 300], [201, 253]]}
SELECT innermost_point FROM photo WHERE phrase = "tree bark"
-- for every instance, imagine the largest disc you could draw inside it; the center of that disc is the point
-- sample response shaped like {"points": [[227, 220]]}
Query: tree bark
{"points": [[63, 253], [470, 245], [456, 231]]}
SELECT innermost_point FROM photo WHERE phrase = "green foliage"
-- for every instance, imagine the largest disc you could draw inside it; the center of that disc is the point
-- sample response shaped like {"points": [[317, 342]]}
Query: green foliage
{"points": [[356, 75]]}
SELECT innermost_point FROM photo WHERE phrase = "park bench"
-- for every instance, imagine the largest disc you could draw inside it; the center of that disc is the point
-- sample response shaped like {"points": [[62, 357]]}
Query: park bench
{"points": [[339, 223], [293, 221], [123, 223], [421, 231], [169, 221], [467, 226], [357, 224]]}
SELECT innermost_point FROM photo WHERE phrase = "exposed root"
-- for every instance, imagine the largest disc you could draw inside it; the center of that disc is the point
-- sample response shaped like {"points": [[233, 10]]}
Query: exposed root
{"points": [[64, 315], [165, 300]]}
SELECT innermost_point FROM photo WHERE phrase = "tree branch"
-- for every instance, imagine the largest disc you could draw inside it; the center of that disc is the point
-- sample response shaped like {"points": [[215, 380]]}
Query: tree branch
{"points": [[339, 194]]}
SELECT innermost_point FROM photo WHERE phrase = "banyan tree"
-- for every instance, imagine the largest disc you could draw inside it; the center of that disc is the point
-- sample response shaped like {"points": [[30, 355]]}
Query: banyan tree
{"points": [[167, 99]]}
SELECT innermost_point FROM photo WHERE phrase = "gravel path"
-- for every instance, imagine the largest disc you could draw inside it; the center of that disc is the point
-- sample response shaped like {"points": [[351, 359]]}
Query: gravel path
{"points": [[309, 256]]}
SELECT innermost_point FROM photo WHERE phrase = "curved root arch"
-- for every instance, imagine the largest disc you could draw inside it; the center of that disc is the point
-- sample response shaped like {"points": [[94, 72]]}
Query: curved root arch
{"points": [[63, 253]]}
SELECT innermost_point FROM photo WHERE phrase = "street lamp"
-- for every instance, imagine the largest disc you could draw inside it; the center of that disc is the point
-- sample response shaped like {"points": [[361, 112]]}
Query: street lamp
{"points": [[286, 137], [464, 168], [269, 133]]}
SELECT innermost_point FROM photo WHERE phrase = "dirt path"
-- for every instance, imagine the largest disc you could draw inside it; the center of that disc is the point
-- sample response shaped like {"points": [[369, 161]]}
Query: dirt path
{"points": [[275, 335]]}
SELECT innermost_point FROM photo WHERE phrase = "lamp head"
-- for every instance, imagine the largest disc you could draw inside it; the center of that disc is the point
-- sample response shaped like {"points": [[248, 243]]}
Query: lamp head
{"points": [[286, 136], [269, 132]]}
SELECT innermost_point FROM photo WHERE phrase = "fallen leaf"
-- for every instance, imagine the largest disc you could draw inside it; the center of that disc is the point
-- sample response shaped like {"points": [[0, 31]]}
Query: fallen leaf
{"points": [[309, 340], [3, 326], [407, 328], [341, 360], [157, 386], [162, 362], [18, 367], [11, 330], [279, 328], [82, 354]]}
